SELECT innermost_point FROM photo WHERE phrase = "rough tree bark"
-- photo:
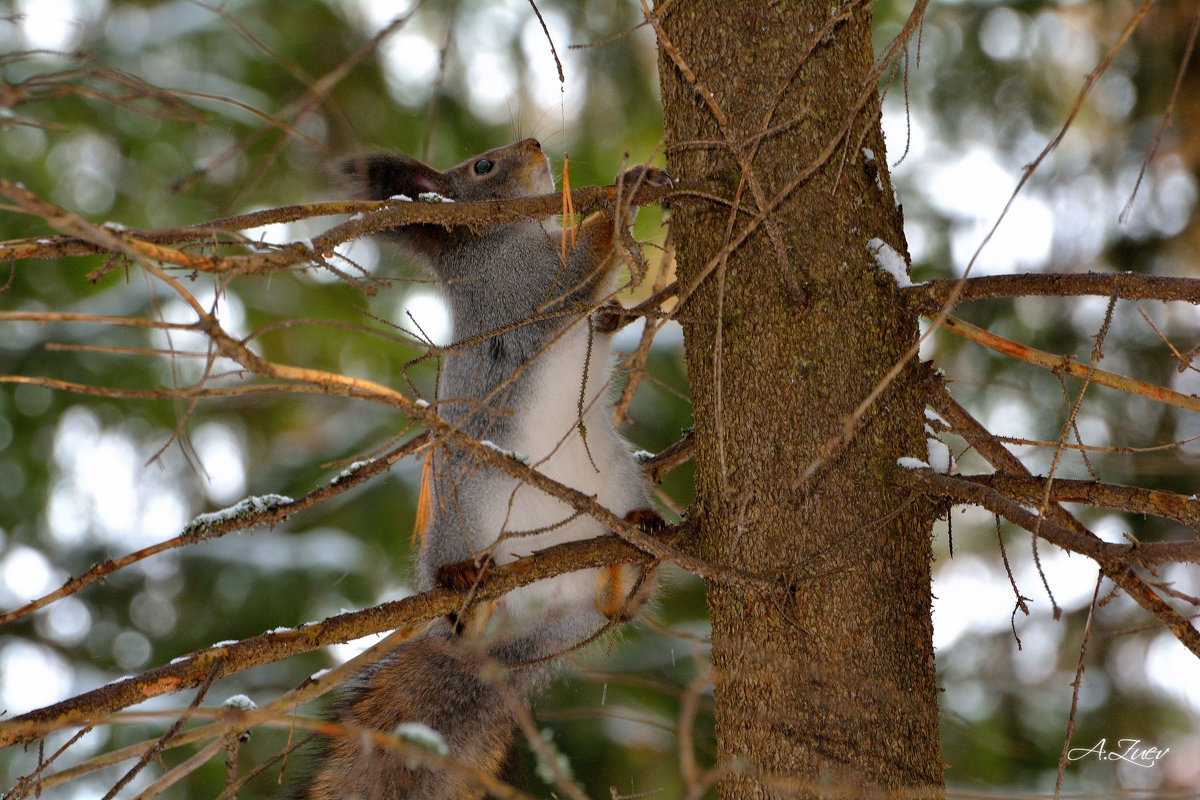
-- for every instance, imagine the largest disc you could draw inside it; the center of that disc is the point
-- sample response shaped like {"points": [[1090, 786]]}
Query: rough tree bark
{"points": [[832, 692]]}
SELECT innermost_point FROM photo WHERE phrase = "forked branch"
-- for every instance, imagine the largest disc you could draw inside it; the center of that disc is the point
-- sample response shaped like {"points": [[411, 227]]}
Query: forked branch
{"points": [[1119, 572], [225, 659]]}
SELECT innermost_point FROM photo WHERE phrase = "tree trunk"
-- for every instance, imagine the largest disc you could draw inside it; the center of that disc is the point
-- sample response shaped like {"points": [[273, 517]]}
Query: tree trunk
{"points": [[834, 694]]}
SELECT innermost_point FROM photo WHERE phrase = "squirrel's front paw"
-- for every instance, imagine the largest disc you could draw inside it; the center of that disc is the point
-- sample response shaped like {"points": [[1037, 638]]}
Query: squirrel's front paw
{"points": [[463, 575], [638, 177], [608, 317], [644, 175]]}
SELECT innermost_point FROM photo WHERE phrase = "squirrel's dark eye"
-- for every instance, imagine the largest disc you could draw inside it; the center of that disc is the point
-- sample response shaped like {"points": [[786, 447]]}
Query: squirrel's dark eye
{"points": [[483, 166]]}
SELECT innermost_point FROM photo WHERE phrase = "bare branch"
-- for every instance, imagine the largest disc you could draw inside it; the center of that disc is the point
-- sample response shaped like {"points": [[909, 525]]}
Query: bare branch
{"points": [[369, 217], [1076, 685], [930, 297], [269, 514], [1068, 365], [1120, 573], [226, 659], [1111, 557], [654, 469], [1133, 499], [1158, 135]]}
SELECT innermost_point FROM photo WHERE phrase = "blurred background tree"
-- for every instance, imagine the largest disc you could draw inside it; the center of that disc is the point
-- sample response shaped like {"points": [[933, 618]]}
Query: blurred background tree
{"points": [[156, 115]]}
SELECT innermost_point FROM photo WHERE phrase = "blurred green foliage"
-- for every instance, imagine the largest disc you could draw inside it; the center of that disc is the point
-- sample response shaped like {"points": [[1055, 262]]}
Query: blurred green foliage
{"points": [[82, 480]]}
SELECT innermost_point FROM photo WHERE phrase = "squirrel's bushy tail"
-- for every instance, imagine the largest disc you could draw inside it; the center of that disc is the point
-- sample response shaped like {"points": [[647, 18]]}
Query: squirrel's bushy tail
{"points": [[450, 685]]}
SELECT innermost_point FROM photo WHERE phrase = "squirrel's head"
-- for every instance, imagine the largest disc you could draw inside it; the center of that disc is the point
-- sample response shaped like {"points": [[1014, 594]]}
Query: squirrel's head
{"points": [[516, 170]]}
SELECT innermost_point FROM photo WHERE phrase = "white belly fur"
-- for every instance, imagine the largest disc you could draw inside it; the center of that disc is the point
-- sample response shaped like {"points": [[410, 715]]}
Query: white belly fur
{"points": [[549, 435]]}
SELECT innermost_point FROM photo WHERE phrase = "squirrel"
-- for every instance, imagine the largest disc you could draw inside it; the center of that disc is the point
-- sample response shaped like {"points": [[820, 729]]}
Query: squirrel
{"points": [[531, 377]]}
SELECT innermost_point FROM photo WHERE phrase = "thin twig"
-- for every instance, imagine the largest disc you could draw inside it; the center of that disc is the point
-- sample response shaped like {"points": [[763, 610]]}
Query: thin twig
{"points": [[1075, 686], [268, 515], [1158, 134], [930, 297], [226, 659], [1069, 365], [1118, 571]]}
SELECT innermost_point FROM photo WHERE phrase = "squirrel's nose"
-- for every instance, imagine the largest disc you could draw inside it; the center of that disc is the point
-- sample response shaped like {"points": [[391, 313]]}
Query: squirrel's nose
{"points": [[532, 143]]}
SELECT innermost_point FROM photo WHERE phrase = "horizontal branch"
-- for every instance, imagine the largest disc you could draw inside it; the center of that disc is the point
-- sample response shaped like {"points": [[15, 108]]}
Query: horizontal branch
{"points": [[966, 426], [1115, 561], [655, 468], [368, 217], [69, 316], [931, 297], [446, 433], [1068, 365], [1133, 499], [1109, 556], [225, 659], [49, 247], [266, 514], [162, 393]]}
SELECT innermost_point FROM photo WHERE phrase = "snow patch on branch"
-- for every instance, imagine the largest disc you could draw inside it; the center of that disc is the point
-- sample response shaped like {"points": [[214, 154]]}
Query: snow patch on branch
{"points": [[561, 766], [350, 470], [908, 462], [938, 455], [890, 262], [524, 459], [240, 702], [244, 509]]}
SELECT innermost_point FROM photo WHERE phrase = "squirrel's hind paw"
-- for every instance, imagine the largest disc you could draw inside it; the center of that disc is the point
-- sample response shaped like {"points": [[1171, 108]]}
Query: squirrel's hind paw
{"points": [[649, 520]]}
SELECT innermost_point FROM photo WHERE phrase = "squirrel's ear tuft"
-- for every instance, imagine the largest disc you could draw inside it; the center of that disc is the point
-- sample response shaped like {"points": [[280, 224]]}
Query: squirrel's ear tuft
{"points": [[379, 176]]}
